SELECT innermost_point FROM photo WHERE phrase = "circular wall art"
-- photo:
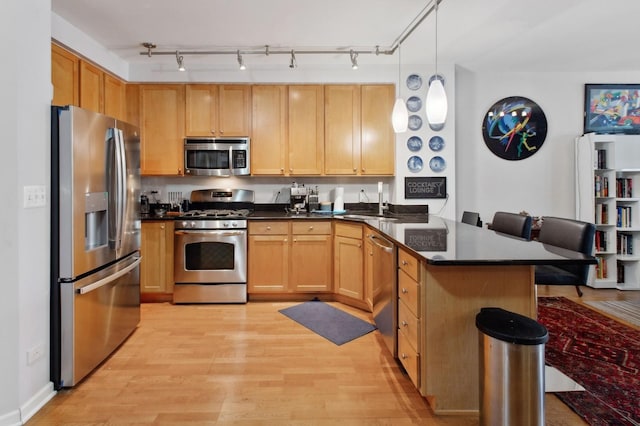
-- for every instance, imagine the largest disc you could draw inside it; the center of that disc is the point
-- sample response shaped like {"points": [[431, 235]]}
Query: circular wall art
{"points": [[436, 143], [437, 164], [414, 82], [436, 127], [414, 104], [415, 122], [414, 143], [414, 164], [514, 128]]}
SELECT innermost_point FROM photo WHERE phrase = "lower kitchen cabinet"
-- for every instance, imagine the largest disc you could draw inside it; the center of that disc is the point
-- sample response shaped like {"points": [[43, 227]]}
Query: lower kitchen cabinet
{"points": [[409, 314], [268, 257], [289, 257], [310, 256], [156, 269], [348, 257]]}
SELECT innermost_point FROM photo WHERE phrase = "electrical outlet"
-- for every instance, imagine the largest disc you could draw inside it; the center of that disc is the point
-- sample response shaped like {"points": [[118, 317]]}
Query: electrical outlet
{"points": [[35, 196], [35, 353]]}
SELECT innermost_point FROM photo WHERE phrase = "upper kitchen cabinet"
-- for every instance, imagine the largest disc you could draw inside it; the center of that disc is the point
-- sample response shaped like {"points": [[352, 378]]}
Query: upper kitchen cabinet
{"points": [[359, 139], [91, 87], [342, 129], [64, 76], [218, 110], [306, 129], [269, 130], [162, 118], [115, 104], [377, 155]]}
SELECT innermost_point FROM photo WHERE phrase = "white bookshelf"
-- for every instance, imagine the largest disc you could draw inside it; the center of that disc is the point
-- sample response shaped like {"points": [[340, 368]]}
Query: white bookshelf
{"points": [[608, 195]]}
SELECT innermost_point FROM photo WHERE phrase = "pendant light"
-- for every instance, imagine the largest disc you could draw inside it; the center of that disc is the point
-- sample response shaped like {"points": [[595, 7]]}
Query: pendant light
{"points": [[436, 102], [400, 115]]}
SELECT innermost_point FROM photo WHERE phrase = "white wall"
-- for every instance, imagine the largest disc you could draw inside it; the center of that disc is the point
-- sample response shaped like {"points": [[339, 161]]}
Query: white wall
{"points": [[542, 184], [24, 248]]}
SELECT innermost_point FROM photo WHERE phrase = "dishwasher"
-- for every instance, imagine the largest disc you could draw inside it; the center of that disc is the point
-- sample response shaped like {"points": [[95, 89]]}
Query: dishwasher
{"points": [[384, 289]]}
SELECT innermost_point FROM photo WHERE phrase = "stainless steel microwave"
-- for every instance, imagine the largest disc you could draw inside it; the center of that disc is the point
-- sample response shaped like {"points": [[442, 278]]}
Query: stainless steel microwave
{"points": [[217, 156]]}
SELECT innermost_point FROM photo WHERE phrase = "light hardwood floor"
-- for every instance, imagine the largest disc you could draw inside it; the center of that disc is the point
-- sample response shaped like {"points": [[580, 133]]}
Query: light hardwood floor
{"points": [[250, 365]]}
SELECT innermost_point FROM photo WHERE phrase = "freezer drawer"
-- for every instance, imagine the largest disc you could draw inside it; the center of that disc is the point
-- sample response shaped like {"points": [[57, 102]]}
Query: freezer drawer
{"points": [[98, 313]]}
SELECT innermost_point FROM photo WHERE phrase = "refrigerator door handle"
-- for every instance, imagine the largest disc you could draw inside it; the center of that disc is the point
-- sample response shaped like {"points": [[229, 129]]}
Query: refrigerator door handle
{"points": [[121, 193], [116, 186], [104, 281]]}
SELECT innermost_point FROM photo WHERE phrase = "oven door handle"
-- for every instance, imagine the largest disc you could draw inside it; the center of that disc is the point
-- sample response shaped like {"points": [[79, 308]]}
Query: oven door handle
{"points": [[221, 233]]}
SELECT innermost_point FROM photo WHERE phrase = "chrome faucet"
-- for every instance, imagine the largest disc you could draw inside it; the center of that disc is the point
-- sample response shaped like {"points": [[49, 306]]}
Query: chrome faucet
{"points": [[381, 205]]}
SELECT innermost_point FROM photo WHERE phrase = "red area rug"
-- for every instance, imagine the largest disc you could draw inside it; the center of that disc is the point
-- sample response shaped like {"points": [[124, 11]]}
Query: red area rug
{"points": [[600, 354]]}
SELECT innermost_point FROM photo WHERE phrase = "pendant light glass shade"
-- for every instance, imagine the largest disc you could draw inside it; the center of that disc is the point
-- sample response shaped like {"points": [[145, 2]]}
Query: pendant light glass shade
{"points": [[400, 116], [437, 105]]}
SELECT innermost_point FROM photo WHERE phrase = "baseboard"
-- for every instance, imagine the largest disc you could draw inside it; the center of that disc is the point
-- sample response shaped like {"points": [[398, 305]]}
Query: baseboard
{"points": [[33, 405], [10, 419]]}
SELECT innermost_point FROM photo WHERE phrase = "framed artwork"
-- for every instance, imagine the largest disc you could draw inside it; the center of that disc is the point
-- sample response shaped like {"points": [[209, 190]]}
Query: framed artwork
{"points": [[514, 128], [612, 108]]}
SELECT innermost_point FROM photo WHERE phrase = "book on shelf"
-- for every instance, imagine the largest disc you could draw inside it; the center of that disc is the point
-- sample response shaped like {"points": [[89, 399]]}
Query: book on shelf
{"points": [[602, 214], [601, 268], [620, 272], [601, 241], [601, 186], [624, 244], [623, 219], [624, 187], [601, 159]]}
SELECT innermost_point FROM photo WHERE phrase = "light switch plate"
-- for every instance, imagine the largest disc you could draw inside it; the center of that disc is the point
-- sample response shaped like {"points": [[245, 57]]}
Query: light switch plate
{"points": [[35, 196]]}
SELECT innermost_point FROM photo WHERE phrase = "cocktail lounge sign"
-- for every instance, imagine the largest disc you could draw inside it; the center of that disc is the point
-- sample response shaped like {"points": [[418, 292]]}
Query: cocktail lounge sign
{"points": [[425, 187]]}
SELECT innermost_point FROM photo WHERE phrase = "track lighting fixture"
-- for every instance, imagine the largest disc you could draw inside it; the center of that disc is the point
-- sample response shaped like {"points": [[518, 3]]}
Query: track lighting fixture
{"points": [[180, 61], [436, 102], [399, 115], [241, 62], [354, 60], [293, 63]]}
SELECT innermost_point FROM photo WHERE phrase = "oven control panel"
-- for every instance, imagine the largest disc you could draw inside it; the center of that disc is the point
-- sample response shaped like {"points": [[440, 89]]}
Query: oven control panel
{"points": [[211, 224]]}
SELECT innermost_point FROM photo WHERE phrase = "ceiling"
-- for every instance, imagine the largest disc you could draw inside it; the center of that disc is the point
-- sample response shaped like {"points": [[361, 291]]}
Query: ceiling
{"points": [[501, 35]]}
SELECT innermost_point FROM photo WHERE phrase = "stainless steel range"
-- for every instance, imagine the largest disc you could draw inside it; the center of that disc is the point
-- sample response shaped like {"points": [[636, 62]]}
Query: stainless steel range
{"points": [[211, 247]]}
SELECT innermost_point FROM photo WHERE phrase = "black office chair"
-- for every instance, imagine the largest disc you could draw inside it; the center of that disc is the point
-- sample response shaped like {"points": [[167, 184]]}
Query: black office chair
{"points": [[472, 218], [513, 224], [568, 234]]}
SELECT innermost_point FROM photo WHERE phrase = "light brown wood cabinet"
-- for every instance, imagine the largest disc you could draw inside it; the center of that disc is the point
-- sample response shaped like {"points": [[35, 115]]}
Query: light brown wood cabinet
{"points": [[156, 248], [91, 87], [305, 124], [348, 258], [289, 257], [65, 71], [162, 126], [359, 139], [269, 132], [311, 256], [268, 255], [409, 314], [218, 110], [115, 104]]}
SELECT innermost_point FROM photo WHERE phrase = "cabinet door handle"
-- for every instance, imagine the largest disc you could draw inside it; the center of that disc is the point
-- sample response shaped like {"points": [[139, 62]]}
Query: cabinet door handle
{"points": [[404, 291], [221, 132], [404, 356], [268, 228], [295, 240], [405, 263], [405, 324], [311, 228], [162, 226], [285, 240], [359, 245]]}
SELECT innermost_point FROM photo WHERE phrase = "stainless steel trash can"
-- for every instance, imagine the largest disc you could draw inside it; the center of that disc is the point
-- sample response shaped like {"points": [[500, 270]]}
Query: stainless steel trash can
{"points": [[511, 368]]}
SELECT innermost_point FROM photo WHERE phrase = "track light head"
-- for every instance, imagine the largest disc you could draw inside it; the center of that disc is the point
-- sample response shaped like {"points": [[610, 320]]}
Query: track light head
{"points": [[241, 62], [354, 59], [180, 61], [293, 63]]}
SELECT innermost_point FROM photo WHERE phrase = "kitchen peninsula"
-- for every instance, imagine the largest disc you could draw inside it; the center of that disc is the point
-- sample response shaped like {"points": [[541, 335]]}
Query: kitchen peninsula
{"points": [[447, 271]]}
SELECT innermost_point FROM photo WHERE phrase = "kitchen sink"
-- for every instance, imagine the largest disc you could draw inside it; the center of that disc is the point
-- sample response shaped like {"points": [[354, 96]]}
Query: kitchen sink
{"points": [[368, 217]]}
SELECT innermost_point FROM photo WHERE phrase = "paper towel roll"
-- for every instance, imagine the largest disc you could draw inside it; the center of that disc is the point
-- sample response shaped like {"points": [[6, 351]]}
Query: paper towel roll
{"points": [[338, 202]]}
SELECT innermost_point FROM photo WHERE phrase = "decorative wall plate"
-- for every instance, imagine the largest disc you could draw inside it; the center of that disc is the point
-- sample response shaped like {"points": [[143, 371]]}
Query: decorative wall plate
{"points": [[415, 122], [437, 164], [414, 143], [436, 127], [414, 82], [414, 164], [414, 104], [514, 128], [436, 143]]}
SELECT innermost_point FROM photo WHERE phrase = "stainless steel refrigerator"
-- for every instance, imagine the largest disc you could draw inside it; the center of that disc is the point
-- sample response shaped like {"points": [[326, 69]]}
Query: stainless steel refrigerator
{"points": [[95, 240]]}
